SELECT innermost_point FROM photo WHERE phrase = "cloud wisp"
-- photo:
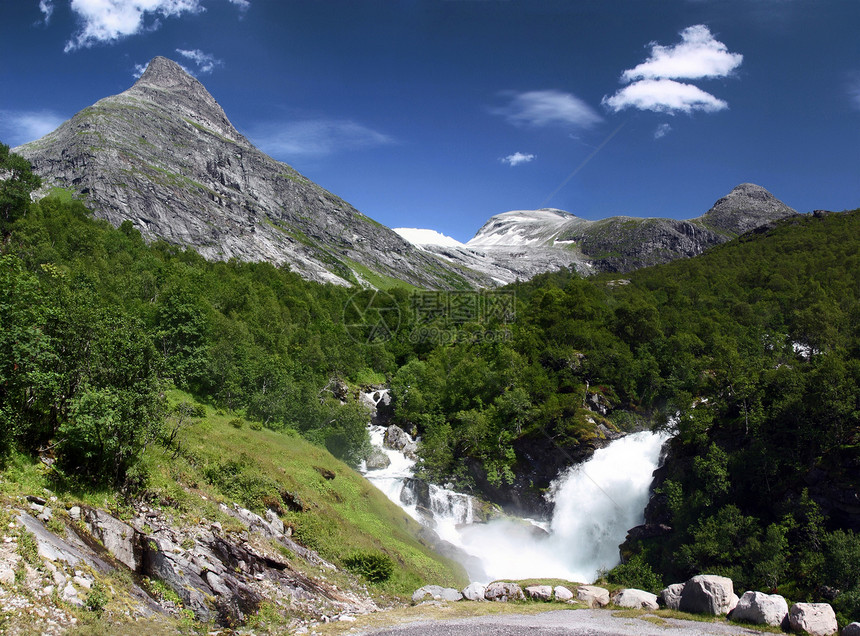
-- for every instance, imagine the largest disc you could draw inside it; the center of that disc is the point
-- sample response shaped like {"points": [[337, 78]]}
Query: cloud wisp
{"points": [[19, 127], [653, 85], [316, 138], [206, 62], [662, 130], [546, 108], [518, 158], [106, 21], [47, 9]]}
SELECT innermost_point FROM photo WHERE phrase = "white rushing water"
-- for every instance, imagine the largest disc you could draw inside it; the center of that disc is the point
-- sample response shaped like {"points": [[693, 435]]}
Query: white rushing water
{"points": [[595, 504]]}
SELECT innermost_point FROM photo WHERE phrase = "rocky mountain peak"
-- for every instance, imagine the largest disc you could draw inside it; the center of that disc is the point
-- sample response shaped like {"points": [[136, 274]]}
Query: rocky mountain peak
{"points": [[170, 86], [746, 207]]}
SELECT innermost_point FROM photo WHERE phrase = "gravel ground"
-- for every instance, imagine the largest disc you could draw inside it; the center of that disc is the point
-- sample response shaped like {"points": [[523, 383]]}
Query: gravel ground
{"points": [[564, 623]]}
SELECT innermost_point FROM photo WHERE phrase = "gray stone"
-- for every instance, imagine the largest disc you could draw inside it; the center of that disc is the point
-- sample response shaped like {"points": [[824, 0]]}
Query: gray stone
{"points": [[397, 439], [275, 522], [707, 594], [636, 599], [593, 596], [474, 592], [75, 513], [852, 629], [377, 460], [538, 592], [671, 596], [123, 541], [7, 575], [435, 593], [562, 594], [761, 609], [502, 592], [816, 619]]}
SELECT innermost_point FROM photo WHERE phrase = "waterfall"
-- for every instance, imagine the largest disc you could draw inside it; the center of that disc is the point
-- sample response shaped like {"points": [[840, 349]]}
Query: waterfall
{"points": [[595, 504]]}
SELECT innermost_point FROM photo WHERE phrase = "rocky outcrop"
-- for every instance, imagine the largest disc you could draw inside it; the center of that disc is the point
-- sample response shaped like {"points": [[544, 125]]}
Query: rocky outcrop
{"points": [[398, 439], [745, 208], [163, 156], [761, 609], [816, 619], [474, 592]]}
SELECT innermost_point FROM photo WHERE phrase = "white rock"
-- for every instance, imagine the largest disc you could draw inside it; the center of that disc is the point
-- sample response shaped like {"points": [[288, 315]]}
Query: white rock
{"points": [[707, 594], [816, 619], [539, 592], [562, 593], [761, 609], [671, 596], [636, 599], [593, 596], [501, 591], [474, 592]]}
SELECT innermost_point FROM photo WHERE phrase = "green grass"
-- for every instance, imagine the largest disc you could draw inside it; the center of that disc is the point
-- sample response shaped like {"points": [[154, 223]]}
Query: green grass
{"points": [[343, 515]]}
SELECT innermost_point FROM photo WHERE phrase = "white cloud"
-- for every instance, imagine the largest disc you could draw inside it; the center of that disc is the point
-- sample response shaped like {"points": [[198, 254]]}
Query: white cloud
{"points": [[47, 9], [664, 96], [316, 137], [112, 20], [543, 108], [662, 131], [206, 62], [19, 127], [139, 69], [697, 56], [517, 158]]}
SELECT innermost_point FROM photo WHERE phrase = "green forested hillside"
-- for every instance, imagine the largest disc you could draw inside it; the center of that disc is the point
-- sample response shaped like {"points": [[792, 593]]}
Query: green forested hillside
{"points": [[751, 351]]}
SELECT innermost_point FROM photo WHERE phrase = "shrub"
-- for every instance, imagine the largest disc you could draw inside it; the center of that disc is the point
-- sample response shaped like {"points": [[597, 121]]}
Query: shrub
{"points": [[374, 566], [636, 573]]}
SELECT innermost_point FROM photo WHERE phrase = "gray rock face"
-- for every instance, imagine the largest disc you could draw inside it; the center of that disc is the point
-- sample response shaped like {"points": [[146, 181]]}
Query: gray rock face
{"points": [[816, 619], [398, 439], [522, 243], [636, 599], [503, 592], [164, 156], [707, 594], [761, 609], [123, 541], [671, 596]]}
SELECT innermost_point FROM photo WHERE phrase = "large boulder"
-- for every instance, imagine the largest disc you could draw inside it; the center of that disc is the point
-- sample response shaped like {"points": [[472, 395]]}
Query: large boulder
{"points": [[671, 596], [474, 592], [636, 599], [562, 594], [707, 594], [816, 619], [761, 609], [501, 591], [436, 593], [539, 592], [593, 596], [377, 459], [397, 439]]}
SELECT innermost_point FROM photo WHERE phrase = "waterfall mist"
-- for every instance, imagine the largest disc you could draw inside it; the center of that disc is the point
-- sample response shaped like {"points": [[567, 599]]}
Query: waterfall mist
{"points": [[595, 504]]}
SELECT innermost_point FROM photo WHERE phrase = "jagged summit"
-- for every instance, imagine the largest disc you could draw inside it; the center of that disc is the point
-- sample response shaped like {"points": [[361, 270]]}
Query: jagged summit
{"points": [[167, 85], [746, 207]]}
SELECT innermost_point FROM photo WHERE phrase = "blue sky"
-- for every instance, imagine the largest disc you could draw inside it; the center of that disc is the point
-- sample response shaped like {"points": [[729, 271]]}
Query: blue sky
{"points": [[442, 113]]}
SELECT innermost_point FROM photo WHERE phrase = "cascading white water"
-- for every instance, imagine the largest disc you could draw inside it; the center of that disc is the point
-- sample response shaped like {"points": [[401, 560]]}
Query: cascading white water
{"points": [[595, 504]]}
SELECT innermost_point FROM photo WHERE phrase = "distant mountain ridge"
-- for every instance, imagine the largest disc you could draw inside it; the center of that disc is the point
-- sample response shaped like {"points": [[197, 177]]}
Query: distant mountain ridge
{"points": [[526, 241], [164, 156]]}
